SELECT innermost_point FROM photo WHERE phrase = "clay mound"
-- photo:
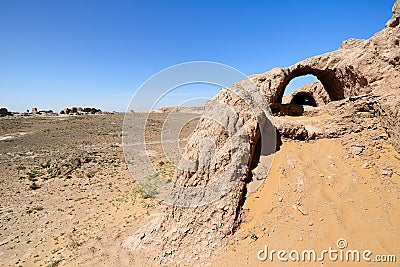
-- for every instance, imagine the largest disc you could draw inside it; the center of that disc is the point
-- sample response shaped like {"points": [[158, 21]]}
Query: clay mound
{"points": [[361, 78]]}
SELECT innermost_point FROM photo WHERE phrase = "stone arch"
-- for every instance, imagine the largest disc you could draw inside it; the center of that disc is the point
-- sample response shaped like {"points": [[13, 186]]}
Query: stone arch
{"points": [[327, 77], [304, 98]]}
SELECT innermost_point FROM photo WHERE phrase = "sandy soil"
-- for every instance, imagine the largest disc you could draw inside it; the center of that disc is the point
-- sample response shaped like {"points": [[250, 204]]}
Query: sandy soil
{"points": [[77, 217], [317, 193], [67, 198]]}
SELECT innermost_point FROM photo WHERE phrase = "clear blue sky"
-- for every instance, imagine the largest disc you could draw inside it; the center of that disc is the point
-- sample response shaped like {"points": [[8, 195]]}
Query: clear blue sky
{"points": [[61, 53]]}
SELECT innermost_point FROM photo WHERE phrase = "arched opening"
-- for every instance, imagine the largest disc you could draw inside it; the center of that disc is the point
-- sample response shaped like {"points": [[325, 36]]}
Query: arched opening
{"points": [[303, 98], [299, 82], [332, 85], [306, 90]]}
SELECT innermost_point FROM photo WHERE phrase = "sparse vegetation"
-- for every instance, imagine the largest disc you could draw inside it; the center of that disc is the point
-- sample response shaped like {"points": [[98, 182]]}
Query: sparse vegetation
{"points": [[34, 186], [34, 209], [21, 167], [32, 175], [254, 237], [46, 164], [54, 263]]}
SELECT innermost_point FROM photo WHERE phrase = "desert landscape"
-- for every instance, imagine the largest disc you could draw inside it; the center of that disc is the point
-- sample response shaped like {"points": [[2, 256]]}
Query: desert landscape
{"points": [[327, 178], [74, 203]]}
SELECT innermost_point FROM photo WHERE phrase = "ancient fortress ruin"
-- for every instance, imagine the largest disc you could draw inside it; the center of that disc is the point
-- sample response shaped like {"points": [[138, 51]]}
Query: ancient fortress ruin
{"points": [[361, 78]]}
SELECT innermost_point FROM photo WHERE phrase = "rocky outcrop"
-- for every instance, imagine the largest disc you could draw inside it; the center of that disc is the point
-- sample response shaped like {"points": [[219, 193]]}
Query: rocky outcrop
{"points": [[340, 118], [361, 79], [358, 67], [395, 20], [4, 112]]}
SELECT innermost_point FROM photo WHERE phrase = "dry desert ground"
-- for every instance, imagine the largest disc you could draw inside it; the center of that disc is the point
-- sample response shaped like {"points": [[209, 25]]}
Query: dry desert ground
{"points": [[68, 199]]}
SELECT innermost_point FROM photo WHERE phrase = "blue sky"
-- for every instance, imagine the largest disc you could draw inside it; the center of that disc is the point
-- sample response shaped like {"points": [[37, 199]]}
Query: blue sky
{"points": [[62, 53]]}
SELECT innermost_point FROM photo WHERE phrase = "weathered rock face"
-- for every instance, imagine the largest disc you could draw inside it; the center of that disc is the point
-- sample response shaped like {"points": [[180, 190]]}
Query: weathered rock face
{"points": [[341, 117], [357, 67], [395, 20], [361, 78]]}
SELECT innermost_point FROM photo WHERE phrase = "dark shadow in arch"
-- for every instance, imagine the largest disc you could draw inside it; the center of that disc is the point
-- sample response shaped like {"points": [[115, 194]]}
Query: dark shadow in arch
{"points": [[303, 98]]}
